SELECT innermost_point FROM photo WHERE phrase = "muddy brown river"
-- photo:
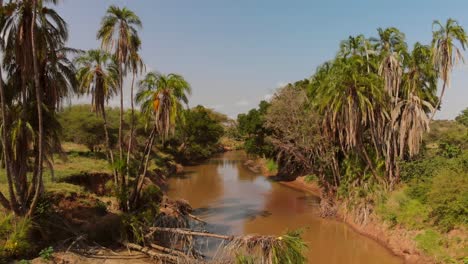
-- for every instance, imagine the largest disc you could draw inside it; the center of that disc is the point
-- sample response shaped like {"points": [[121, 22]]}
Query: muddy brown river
{"points": [[236, 201]]}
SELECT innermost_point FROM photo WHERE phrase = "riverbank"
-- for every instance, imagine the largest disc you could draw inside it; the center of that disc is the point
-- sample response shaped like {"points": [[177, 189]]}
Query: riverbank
{"points": [[397, 240]]}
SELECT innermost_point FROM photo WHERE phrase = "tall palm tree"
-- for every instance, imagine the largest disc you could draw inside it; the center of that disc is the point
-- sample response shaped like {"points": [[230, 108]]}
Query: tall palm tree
{"points": [[97, 77], [31, 32], [10, 203], [392, 48], [119, 31], [161, 98], [446, 54], [136, 65]]}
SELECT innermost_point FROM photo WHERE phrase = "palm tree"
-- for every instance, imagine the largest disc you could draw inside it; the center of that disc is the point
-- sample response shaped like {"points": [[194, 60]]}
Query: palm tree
{"points": [[119, 31], [446, 53], [136, 65], [97, 77], [161, 98], [392, 50], [33, 38]]}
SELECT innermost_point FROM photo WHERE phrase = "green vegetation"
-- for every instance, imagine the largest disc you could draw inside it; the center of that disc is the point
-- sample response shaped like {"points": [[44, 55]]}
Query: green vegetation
{"points": [[362, 123], [271, 165], [253, 132], [105, 184], [197, 138]]}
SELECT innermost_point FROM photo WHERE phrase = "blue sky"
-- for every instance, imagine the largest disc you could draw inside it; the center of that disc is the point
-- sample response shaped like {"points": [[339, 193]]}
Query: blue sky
{"points": [[236, 53]]}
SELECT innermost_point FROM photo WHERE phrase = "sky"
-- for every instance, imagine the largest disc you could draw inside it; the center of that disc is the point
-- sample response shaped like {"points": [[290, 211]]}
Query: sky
{"points": [[235, 53]]}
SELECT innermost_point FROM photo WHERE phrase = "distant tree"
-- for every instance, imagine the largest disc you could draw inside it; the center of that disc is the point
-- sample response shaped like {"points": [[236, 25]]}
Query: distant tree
{"points": [[119, 32], [198, 136], [462, 118], [446, 54], [252, 128], [97, 77], [161, 98]]}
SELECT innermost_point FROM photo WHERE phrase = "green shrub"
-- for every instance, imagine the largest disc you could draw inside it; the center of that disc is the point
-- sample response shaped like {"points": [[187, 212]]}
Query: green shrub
{"points": [[430, 242], [398, 208], [14, 236], [46, 253], [449, 199], [271, 165], [311, 178]]}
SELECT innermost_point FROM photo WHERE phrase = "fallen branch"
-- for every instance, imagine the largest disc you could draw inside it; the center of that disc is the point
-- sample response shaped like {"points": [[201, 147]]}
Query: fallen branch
{"points": [[186, 232], [196, 218], [168, 250], [152, 253]]}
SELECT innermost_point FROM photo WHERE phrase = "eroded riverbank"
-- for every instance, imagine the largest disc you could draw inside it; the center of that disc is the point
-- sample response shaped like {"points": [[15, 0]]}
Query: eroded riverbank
{"points": [[395, 240]]}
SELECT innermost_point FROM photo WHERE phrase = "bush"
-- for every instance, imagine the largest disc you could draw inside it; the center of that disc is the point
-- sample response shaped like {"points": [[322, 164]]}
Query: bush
{"points": [[14, 236], [271, 166], [311, 178], [448, 198], [400, 209], [430, 242], [46, 253]]}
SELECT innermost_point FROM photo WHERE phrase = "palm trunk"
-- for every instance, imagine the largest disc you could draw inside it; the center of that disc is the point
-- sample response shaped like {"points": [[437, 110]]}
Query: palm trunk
{"points": [[12, 203], [39, 113], [439, 101], [132, 125], [108, 146], [140, 179], [122, 174]]}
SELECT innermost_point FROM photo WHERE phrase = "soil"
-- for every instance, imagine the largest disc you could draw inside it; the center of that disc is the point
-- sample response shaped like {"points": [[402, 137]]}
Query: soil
{"points": [[122, 256], [397, 240]]}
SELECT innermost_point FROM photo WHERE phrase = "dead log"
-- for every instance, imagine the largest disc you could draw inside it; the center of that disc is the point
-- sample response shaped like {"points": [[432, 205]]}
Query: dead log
{"points": [[187, 232], [152, 253]]}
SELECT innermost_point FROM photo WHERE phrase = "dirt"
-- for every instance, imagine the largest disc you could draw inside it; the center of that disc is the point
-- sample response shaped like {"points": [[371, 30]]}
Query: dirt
{"points": [[396, 239], [122, 256], [92, 182]]}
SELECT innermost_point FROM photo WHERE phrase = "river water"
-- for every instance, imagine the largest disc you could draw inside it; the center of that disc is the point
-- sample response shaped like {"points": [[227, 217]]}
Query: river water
{"points": [[236, 201]]}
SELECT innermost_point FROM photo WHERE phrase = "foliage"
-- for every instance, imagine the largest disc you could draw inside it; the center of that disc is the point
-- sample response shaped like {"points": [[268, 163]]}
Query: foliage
{"points": [[310, 178], [448, 198], [197, 138], [271, 165], [251, 127], [82, 126], [14, 236], [290, 249], [401, 209], [46, 253], [462, 118], [39, 75], [430, 241]]}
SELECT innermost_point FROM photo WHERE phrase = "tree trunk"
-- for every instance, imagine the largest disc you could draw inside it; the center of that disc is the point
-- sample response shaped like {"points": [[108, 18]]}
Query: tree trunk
{"points": [[39, 113], [185, 232], [140, 180], [132, 125], [439, 101], [12, 203], [108, 146]]}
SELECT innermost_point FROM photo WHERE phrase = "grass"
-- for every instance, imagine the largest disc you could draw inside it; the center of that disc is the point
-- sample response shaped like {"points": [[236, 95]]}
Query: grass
{"points": [[271, 166], [310, 178], [78, 160]]}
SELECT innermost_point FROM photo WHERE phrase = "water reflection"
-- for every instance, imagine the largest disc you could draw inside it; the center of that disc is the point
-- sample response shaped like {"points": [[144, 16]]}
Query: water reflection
{"points": [[236, 201]]}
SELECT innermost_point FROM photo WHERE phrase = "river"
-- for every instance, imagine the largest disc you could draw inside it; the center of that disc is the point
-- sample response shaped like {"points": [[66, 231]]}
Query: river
{"points": [[236, 201]]}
